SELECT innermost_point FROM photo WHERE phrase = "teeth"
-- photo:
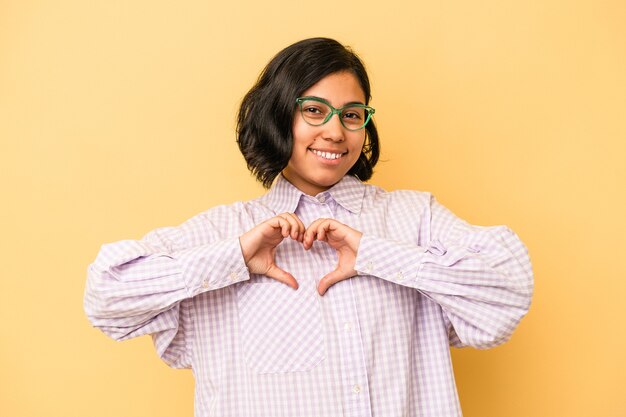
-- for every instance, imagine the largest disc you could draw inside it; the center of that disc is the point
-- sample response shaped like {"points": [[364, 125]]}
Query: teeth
{"points": [[326, 155]]}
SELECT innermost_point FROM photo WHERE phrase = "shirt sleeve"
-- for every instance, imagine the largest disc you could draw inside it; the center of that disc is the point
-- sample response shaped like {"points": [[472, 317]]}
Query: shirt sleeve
{"points": [[480, 276], [135, 287]]}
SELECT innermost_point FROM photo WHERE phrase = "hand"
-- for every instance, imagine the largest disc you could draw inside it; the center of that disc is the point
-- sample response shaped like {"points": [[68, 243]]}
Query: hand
{"points": [[258, 246], [344, 239]]}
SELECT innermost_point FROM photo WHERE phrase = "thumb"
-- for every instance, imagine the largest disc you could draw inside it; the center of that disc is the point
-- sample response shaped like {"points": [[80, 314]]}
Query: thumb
{"points": [[282, 276], [330, 279]]}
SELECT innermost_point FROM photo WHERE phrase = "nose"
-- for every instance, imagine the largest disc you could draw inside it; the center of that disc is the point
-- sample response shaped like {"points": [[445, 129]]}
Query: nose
{"points": [[333, 129]]}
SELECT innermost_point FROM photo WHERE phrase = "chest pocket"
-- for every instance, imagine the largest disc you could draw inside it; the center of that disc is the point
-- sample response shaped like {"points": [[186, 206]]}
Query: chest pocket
{"points": [[282, 328]]}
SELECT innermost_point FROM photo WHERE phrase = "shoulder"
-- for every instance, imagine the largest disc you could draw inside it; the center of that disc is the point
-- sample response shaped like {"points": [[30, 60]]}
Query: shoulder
{"points": [[216, 223], [408, 200]]}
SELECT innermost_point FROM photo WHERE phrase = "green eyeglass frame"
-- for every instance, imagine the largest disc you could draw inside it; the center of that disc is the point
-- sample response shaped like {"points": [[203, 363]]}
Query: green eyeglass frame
{"points": [[368, 112]]}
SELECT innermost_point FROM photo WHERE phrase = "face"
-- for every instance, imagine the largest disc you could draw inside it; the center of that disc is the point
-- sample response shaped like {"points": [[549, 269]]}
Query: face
{"points": [[322, 155]]}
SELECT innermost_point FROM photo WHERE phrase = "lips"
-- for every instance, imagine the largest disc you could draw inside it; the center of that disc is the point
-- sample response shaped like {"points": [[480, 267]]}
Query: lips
{"points": [[327, 155]]}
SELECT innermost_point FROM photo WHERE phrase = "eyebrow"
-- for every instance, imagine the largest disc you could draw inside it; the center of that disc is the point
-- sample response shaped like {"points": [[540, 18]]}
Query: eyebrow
{"points": [[344, 105]]}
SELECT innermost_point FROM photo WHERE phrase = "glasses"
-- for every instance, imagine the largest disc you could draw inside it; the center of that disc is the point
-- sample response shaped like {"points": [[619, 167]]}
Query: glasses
{"points": [[317, 111]]}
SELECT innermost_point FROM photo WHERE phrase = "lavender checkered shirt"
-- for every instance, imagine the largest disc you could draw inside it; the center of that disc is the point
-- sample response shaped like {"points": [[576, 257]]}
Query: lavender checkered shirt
{"points": [[375, 345]]}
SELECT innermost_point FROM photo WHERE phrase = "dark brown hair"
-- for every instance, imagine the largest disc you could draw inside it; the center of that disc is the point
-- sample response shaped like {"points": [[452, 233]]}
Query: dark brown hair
{"points": [[264, 122]]}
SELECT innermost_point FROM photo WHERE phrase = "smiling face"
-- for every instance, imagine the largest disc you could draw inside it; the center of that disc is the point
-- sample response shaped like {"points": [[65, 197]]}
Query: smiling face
{"points": [[322, 155]]}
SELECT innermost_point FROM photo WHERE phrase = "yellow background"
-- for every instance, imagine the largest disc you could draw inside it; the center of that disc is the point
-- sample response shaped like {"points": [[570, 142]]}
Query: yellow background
{"points": [[117, 117]]}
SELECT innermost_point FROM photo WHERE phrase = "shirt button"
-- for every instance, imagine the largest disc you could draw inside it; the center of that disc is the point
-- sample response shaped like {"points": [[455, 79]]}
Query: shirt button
{"points": [[205, 283], [233, 275], [347, 327], [356, 389], [400, 276], [322, 198], [370, 267]]}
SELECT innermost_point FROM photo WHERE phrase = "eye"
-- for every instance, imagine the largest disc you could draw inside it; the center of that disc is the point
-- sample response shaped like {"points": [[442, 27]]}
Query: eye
{"points": [[312, 110], [353, 114]]}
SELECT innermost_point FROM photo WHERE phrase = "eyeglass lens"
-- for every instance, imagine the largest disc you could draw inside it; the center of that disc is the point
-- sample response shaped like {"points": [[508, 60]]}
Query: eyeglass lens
{"points": [[317, 113]]}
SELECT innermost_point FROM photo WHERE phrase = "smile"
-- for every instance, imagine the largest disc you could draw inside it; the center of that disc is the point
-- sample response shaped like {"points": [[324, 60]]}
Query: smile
{"points": [[326, 155]]}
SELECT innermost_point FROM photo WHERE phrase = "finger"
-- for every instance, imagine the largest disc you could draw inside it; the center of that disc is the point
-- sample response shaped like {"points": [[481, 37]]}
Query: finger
{"points": [[323, 229], [284, 226], [282, 276], [330, 279], [301, 227], [276, 223], [294, 229], [255, 237], [311, 233]]}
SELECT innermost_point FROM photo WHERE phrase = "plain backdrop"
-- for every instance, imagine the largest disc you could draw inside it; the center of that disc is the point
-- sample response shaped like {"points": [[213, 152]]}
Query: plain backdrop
{"points": [[117, 117]]}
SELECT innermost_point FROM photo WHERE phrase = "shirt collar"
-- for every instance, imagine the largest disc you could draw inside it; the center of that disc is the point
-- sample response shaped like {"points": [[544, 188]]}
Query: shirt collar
{"points": [[284, 197]]}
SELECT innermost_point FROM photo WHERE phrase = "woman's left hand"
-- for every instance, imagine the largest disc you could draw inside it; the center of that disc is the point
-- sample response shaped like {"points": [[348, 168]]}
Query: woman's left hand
{"points": [[344, 239]]}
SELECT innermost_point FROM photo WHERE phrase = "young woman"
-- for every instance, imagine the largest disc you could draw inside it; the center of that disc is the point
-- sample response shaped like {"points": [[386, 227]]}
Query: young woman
{"points": [[326, 296]]}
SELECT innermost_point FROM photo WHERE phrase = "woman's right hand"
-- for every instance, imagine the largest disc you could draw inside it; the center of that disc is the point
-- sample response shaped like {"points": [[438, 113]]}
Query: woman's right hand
{"points": [[258, 246]]}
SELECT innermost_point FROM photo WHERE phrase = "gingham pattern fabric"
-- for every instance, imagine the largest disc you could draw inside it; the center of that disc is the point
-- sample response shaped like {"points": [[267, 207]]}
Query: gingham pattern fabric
{"points": [[375, 345]]}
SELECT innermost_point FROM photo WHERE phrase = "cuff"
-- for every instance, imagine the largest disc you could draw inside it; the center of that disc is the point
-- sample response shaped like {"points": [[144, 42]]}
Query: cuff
{"points": [[390, 260], [213, 266]]}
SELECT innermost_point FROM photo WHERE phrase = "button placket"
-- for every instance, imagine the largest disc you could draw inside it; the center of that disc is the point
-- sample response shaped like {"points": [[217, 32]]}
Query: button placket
{"points": [[339, 303], [354, 373]]}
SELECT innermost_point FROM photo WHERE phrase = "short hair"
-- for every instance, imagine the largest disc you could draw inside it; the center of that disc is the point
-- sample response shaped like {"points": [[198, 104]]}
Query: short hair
{"points": [[265, 118]]}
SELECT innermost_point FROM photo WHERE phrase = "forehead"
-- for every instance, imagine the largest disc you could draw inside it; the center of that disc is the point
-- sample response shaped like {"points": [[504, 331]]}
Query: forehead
{"points": [[338, 89]]}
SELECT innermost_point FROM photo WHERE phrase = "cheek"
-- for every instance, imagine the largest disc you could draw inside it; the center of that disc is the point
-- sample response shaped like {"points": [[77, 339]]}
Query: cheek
{"points": [[300, 131], [359, 142]]}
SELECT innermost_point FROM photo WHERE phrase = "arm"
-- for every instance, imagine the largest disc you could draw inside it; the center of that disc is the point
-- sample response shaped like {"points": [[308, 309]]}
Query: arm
{"points": [[135, 287], [480, 276]]}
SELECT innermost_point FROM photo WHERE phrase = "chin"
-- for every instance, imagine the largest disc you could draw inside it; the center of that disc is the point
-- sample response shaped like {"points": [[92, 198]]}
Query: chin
{"points": [[328, 181]]}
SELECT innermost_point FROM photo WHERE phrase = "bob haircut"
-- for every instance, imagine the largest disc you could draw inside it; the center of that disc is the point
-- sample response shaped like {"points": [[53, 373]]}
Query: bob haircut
{"points": [[265, 119]]}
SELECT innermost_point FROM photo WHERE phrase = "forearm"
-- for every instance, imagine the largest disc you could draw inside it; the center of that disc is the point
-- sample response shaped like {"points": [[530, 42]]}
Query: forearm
{"points": [[483, 282], [132, 283]]}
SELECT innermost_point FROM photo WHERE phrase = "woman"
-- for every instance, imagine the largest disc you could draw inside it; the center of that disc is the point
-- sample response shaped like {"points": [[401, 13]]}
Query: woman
{"points": [[325, 296]]}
